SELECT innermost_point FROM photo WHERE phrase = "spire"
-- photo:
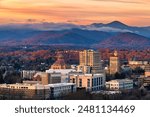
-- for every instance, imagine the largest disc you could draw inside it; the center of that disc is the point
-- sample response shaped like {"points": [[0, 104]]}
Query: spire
{"points": [[115, 53]]}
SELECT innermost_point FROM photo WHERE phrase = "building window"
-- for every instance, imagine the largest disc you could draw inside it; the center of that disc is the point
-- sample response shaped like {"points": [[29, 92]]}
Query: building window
{"points": [[97, 82], [80, 82], [101, 80], [88, 83], [73, 80]]}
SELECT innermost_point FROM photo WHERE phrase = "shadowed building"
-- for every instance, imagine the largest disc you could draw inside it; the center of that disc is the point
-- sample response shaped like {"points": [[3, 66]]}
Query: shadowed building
{"points": [[48, 78]]}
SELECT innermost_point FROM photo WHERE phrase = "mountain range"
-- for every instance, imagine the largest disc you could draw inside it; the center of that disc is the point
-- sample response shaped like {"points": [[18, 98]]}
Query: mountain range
{"points": [[112, 35]]}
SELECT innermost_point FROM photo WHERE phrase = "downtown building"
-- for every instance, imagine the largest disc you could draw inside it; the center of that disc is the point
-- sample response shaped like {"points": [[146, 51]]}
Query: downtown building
{"points": [[60, 67], [28, 74], [90, 74], [47, 78], [114, 65], [119, 84], [90, 62], [91, 82], [147, 70], [36, 91]]}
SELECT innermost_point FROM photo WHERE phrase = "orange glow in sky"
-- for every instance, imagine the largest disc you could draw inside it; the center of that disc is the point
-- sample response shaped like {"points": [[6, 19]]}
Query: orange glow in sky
{"points": [[132, 12]]}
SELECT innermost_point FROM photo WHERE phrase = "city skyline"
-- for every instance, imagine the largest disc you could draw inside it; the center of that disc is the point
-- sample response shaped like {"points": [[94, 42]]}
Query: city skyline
{"points": [[135, 12]]}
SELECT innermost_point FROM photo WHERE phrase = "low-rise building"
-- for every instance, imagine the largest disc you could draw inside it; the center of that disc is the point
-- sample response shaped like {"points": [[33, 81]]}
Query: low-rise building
{"points": [[24, 91], [92, 82], [146, 81], [28, 74], [133, 64], [119, 84], [61, 89], [48, 78], [38, 91], [64, 73], [22, 86]]}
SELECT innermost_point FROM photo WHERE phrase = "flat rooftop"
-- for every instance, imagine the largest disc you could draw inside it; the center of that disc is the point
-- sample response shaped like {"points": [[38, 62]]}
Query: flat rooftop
{"points": [[87, 74], [121, 80], [60, 84], [60, 70]]}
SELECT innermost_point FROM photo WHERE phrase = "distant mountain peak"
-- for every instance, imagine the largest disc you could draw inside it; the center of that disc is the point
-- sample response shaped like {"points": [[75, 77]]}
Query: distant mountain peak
{"points": [[117, 24]]}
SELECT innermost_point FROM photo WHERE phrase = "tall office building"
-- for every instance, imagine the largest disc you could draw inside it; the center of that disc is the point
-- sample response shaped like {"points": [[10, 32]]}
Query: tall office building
{"points": [[90, 61], [114, 63]]}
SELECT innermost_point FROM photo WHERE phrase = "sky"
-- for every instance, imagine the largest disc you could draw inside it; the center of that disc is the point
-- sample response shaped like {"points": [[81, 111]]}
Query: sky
{"points": [[131, 12]]}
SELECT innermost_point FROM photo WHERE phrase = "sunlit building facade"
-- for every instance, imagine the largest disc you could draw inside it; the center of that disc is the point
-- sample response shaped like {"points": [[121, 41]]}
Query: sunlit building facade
{"points": [[91, 82], [119, 84], [90, 61], [114, 65]]}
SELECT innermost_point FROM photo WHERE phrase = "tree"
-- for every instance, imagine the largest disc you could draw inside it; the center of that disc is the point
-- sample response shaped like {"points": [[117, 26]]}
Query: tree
{"points": [[119, 75]]}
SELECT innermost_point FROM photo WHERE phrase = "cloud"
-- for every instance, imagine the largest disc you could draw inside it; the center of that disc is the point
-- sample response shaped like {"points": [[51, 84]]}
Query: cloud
{"points": [[42, 26], [31, 20], [106, 29], [71, 11], [120, 1]]}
